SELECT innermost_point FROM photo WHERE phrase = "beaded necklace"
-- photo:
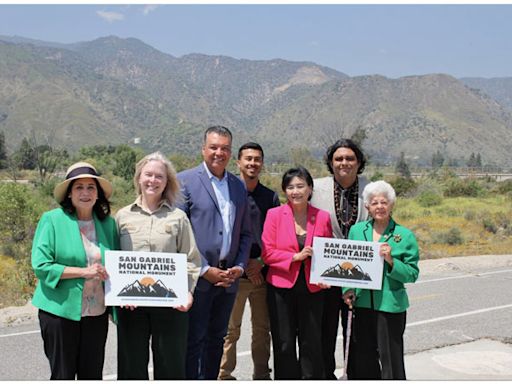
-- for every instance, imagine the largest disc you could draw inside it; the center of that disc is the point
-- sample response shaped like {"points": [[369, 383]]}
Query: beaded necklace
{"points": [[349, 201]]}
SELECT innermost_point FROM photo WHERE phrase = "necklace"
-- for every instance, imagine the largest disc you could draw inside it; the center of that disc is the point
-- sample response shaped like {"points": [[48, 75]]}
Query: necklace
{"points": [[350, 202]]}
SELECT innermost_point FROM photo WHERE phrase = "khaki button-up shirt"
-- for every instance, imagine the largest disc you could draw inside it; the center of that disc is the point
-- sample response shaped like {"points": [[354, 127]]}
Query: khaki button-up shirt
{"points": [[168, 229]]}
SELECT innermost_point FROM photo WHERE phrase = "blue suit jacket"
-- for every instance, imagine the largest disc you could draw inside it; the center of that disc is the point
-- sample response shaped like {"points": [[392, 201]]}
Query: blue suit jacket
{"points": [[202, 208]]}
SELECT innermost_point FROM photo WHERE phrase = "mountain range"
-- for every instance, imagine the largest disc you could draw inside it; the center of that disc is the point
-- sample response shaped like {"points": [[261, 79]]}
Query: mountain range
{"points": [[113, 90], [355, 273], [157, 289]]}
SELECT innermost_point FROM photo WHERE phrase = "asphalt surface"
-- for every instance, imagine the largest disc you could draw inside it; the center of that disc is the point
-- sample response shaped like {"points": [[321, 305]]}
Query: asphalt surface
{"points": [[458, 328]]}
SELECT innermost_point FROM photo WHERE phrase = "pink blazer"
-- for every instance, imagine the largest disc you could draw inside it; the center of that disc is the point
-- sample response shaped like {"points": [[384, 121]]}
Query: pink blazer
{"points": [[280, 244]]}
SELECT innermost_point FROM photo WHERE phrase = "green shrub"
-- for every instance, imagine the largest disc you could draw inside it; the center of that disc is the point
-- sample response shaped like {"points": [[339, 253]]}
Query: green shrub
{"points": [[463, 188], [489, 225], [503, 219], [429, 199], [18, 218], [504, 187], [451, 237], [377, 176], [450, 212], [17, 225], [123, 194], [17, 282], [403, 185], [46, 188], [469, 215]]}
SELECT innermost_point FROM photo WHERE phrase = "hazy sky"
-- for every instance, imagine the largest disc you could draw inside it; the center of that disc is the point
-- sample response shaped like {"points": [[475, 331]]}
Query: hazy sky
{"points": [[391, 40]]}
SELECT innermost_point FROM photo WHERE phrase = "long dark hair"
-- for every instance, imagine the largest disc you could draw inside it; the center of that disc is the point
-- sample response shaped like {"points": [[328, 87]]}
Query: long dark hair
{"points": [[345, 143], [101, 208]]}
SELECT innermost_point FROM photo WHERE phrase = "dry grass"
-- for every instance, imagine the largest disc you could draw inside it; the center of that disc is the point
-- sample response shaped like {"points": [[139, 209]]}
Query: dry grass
{"points": [[13, 289], [459, 226]]}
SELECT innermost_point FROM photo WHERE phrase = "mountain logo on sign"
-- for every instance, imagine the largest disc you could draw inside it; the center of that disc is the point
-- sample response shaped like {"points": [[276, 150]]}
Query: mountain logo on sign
{"points": [[147, 287], [347, 271]]}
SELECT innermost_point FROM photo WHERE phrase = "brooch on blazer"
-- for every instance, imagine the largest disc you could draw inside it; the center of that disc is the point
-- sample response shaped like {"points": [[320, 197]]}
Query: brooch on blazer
{"points": [[397, 238]]}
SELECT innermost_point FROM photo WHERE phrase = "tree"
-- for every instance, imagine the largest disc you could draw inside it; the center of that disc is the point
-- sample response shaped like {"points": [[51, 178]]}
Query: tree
{"points": [[359, 136], [3, 152], [13, 166], [48, 159], [302, 156], [402, 168], [181, 161], [478, 160], [27, 155], [474, 161], [125, 158], [437, 160]]}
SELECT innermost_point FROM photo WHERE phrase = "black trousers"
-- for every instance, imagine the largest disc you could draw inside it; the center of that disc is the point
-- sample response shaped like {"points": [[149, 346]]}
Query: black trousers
{"points": [[74, 348], [376, 345], [296, 314], [333, 305], [166, 328]]}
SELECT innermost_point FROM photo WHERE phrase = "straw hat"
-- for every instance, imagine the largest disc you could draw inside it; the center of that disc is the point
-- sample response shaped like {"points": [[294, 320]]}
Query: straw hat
{"points": [[81, 170]]}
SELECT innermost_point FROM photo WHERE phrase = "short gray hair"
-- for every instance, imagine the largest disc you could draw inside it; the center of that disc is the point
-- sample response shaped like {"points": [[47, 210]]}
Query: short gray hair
{"points": [[379, 187]]}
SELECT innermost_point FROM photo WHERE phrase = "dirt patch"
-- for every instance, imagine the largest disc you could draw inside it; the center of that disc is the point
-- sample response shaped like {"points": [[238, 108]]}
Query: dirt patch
{"points": [[12, 316], [464, 264]]}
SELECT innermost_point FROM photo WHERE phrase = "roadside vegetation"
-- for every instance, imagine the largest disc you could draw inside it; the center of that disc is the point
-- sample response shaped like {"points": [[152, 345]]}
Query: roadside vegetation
{"points": [[450, 216]]}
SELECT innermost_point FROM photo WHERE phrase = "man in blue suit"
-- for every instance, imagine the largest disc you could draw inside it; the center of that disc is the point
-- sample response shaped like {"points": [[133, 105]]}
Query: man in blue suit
{"points": [[216, 203]]}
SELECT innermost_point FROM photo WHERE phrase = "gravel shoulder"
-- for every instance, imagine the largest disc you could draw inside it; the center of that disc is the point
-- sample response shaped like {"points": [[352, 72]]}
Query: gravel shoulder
{"points": [[27, 314]]}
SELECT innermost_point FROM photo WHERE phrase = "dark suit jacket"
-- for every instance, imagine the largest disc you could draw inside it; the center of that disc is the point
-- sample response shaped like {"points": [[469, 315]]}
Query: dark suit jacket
{"points": [[201, 206]]}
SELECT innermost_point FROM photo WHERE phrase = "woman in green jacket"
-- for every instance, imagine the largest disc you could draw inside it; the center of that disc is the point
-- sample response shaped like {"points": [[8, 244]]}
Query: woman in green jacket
{"points": [[67, 257], [376, 347]]}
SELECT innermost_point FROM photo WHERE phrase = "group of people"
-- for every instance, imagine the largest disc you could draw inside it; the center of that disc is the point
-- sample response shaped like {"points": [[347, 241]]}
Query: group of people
{"points": [[241, 244]]}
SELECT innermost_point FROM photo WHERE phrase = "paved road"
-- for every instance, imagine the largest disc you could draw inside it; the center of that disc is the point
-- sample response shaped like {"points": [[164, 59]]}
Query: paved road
{"points": [[451, 307]]}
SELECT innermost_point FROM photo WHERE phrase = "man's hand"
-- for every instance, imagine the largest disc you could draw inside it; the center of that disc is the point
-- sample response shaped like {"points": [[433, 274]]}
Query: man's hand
{"points": [[215, 276], [253, 272], [235, 272], [254, 267]]}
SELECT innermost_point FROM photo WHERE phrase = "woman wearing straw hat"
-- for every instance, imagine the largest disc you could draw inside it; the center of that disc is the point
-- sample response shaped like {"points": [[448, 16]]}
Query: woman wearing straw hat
{"points": [[153, 224], [67, 257]]}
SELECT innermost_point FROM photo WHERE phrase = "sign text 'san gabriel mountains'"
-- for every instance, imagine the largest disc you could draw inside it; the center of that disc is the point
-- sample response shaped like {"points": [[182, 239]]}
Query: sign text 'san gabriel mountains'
{"points": [[111, 90]]}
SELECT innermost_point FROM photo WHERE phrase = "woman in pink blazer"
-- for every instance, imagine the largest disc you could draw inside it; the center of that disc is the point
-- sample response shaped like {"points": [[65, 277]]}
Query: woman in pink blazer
{"points": [[295, 305]]}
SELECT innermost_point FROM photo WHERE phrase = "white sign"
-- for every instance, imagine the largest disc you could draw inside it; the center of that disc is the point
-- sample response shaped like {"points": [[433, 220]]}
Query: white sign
{"points": [[346, 263], [146, 279]]}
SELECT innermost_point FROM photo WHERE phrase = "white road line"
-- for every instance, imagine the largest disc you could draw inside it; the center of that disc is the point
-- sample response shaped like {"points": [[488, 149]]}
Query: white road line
{"points": [[20, 333], [442, 318], [462, 276]]}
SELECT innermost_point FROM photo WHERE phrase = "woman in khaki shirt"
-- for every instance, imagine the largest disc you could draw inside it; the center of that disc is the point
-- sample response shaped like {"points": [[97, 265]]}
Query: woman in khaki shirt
{"points": [[153, 224]]}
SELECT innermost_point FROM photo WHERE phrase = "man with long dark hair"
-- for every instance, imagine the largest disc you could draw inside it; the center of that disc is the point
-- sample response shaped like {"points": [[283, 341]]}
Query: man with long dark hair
{"points": [[340, 195]]}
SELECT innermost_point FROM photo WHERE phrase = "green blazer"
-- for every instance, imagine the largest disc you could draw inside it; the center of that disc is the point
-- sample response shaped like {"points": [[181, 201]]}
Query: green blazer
{"points": [[404, 250], [57, 244]]}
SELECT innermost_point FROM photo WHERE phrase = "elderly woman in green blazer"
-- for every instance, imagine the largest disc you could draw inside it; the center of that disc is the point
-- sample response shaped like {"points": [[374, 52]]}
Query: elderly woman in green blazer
{"points": [[67, 257], [376, 347]]}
